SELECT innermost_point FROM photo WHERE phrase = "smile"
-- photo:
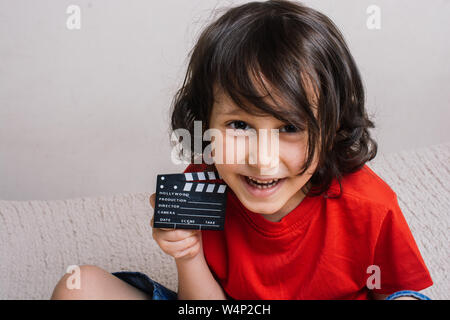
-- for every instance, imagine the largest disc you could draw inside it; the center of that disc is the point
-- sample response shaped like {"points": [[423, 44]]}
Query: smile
{"points": [[262, 183], [261, 188]]}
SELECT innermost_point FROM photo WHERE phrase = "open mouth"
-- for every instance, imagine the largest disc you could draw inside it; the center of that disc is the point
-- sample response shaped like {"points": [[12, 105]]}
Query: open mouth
{"points": [[262, 188], [262, 184]]}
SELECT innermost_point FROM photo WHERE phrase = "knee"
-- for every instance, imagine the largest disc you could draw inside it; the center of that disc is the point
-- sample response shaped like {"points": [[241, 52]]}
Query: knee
{"points": [[82, 284]]}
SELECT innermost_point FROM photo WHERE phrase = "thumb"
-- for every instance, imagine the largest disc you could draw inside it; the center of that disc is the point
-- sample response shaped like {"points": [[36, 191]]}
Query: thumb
{"points": [[152, 200]]}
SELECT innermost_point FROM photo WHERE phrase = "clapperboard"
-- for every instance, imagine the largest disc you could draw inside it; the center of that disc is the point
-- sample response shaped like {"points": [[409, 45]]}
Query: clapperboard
{"points": [[189, 201]]}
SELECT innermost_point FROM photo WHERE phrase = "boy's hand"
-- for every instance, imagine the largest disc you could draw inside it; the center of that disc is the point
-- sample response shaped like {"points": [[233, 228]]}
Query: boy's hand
{"points": [[178, 243]]}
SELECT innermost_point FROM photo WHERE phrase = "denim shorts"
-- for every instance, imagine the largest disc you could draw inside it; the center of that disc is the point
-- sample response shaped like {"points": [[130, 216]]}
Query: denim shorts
{"points": [[142, 282], [159, 292]]}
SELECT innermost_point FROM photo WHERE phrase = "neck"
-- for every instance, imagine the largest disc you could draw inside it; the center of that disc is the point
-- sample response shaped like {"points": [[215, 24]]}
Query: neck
{"points": [[290, 205]]}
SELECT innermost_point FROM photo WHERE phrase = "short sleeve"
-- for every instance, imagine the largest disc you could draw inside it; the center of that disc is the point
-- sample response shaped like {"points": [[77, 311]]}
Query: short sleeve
{"points": [[400, 263]]}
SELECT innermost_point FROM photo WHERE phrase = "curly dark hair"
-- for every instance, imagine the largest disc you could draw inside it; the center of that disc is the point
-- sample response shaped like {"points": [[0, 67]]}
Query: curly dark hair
{"points": [[292, 47]]}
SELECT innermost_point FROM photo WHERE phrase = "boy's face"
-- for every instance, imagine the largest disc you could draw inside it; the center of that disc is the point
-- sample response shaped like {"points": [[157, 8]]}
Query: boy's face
{"points": [[276, 201]]}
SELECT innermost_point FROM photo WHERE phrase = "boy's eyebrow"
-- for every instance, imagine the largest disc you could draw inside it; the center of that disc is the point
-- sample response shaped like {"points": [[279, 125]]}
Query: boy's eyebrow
{"points": [[231, 112], [240, 112]]}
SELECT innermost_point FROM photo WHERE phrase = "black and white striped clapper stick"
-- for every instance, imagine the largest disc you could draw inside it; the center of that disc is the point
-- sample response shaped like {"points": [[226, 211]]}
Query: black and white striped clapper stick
{"points": [[194, 200]]}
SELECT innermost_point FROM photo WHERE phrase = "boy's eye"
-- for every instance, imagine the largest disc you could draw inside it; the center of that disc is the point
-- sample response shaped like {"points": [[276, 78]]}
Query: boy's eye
{"points": [[290, 128], [238, 125]]}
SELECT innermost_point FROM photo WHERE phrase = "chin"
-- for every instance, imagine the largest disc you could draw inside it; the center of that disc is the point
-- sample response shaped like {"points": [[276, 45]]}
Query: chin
{"points": [[261, 208]]}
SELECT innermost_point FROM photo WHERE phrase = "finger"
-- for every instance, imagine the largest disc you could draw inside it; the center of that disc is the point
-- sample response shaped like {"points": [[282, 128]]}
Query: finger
{"points": [[163, 229], [176, 234], [178, 246], [188, 252], [152, 200]]}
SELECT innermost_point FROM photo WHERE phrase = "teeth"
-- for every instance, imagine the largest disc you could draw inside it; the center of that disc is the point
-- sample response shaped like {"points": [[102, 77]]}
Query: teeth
{"points": [[264, 185], [263, 182]]}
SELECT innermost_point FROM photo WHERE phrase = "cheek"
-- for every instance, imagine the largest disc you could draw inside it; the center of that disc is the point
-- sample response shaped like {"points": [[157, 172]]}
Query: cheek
{"points": [[229, 149], [218, 147], [293, 156], [228, 172]]}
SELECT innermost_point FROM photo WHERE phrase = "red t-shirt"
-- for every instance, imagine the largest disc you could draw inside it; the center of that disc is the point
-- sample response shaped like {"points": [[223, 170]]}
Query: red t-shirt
{"points": [[323, 249]]}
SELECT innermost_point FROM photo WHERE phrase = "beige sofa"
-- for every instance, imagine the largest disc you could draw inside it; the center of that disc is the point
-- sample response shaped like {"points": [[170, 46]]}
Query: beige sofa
{"points": [[40, 239]]}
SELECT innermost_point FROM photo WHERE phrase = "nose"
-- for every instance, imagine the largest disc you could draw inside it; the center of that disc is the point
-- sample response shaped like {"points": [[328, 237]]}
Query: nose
{"points": [[263, 152]]}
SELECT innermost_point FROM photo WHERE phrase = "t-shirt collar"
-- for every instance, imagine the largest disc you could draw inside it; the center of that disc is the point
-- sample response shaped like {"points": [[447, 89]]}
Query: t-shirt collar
{"points": [[294, 220]]}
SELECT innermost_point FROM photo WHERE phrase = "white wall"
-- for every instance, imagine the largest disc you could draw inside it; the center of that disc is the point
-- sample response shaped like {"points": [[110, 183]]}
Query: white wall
{"points": [[85, 112]]}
